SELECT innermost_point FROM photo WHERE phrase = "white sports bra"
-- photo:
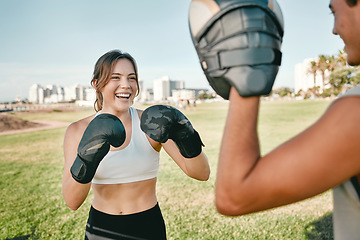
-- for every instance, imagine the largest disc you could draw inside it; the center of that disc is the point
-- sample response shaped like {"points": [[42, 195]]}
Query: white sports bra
{"points": [[136, 162]]}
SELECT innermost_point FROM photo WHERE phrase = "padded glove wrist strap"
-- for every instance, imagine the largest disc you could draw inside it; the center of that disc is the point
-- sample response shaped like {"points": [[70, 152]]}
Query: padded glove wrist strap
{"points": [[191, 146], [81, 171]]}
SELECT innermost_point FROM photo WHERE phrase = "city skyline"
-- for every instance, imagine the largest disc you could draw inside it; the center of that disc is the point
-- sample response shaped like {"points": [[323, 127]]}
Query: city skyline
{"points": [[162, 90]]}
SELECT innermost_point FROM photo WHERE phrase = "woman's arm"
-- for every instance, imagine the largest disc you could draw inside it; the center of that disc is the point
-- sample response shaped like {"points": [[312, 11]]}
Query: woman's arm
{"points": [[323, 156], [74, 193], [165, 124], [197, 167]]}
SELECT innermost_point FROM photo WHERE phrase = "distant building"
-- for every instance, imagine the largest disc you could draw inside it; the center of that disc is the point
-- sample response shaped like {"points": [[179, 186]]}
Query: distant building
{"points": [[186, 94], [304, 79], [163, 87], [146, 95], [141, 86], [90, 94], [36, 93], [41, 96], [54, 94]]}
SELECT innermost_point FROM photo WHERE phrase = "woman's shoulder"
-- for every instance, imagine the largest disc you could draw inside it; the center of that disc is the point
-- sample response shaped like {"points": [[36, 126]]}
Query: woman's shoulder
{"points": [[139, 112], [79, 126]]}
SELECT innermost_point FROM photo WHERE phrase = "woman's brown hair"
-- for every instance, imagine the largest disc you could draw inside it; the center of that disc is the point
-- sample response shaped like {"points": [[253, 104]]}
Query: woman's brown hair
{"points": [[103, 70]]}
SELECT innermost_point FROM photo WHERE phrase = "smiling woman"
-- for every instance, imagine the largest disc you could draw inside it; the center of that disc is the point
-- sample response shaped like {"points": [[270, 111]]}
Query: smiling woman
{"points": [[111, 154]]}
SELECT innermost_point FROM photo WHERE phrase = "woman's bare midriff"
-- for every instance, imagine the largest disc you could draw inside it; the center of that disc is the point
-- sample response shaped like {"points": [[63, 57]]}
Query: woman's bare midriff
{"points": [[125, 198]]}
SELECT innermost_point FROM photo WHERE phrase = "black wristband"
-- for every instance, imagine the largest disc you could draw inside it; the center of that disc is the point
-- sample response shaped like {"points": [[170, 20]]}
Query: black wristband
{"points": [[191, 146]]}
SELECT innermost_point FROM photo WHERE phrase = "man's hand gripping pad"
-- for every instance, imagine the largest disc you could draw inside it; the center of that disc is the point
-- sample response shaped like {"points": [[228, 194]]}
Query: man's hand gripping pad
{"points": [[238, 43]]}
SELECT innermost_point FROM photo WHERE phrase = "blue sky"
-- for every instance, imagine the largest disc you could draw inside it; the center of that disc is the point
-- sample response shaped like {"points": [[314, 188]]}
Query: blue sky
{"points": [[58, 42]]}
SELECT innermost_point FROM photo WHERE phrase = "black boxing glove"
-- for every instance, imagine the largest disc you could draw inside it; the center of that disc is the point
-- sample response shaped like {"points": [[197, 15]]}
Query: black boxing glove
{"points": [[104, 130], [161, 122]]}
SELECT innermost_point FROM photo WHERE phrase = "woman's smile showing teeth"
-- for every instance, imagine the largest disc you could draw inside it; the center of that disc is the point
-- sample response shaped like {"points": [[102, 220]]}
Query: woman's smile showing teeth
{"points": [[123, 95]]}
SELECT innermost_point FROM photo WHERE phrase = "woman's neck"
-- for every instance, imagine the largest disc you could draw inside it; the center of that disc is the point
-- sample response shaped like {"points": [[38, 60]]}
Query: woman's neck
{"points": [[122, 115]]}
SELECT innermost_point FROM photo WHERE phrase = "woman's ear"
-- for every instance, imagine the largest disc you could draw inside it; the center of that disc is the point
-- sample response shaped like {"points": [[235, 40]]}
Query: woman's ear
{"points": [[93, 83]]}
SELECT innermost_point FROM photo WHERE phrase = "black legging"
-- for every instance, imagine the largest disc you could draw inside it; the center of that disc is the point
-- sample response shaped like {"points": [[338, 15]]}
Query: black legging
{"points": [[147, 225]]}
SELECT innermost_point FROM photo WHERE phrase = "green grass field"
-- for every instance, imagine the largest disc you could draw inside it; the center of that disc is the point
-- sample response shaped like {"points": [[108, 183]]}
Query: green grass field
{"points": [[31, 165]]}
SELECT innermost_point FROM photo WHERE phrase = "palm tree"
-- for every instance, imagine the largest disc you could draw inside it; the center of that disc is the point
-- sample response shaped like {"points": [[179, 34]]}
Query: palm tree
{"points": [[313, 70], [327, 63], [323, 65]]}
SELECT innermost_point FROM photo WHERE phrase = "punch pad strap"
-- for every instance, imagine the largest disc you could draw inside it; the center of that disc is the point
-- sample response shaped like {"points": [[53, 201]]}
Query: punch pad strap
{"points": [[242, 57]]}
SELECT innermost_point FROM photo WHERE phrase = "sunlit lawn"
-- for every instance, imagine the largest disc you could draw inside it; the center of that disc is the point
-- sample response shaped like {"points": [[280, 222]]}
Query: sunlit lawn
{"points": [[32, 207]]}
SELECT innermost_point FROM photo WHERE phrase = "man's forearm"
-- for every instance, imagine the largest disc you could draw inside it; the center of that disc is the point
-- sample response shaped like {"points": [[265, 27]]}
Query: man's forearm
{"points": [[239, 148]]}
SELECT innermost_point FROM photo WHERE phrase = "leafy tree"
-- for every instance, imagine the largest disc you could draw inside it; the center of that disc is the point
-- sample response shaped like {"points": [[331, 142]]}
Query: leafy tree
{"points": [[338, 78], [282, 92], [341, 59], [203, 96], [355, 77], [327, 92]]}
